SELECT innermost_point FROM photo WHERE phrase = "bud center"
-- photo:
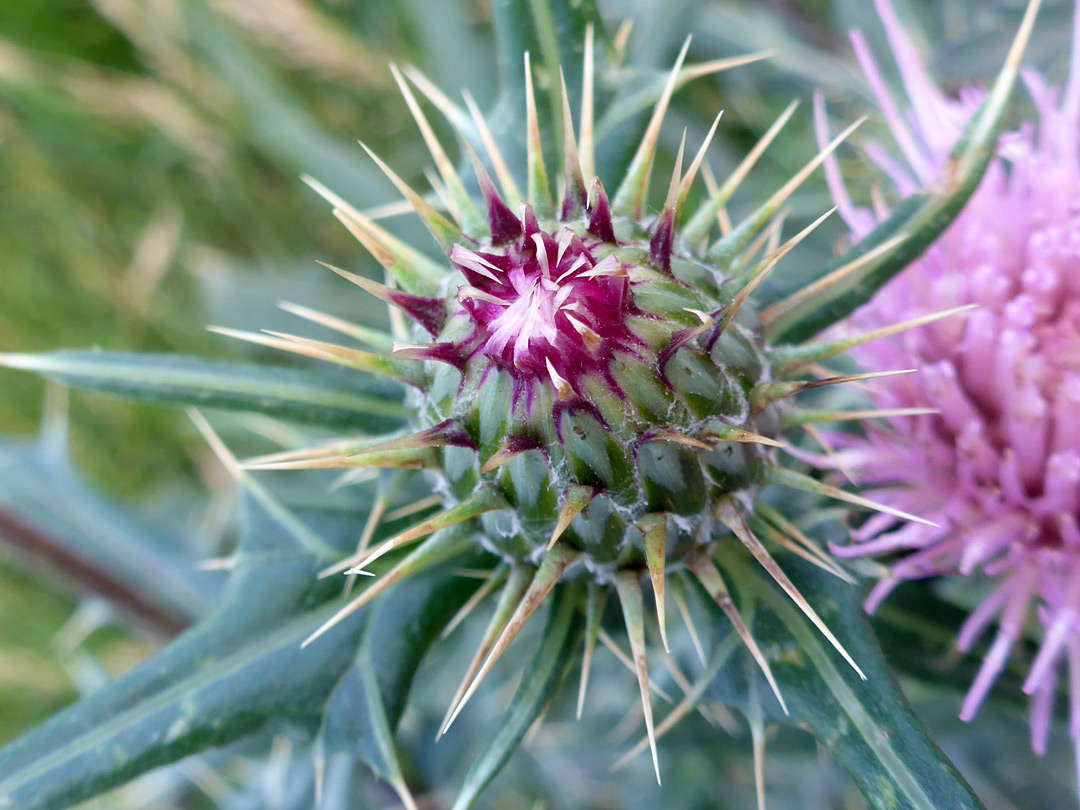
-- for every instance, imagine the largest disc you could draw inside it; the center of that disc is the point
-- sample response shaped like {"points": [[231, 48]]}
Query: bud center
{"points": [[545, 306], [532, 316]]}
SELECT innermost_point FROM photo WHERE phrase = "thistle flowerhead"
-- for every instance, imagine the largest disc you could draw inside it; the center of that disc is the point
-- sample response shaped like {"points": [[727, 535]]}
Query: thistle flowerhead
{"points": [[592, 391], [998, 463]]}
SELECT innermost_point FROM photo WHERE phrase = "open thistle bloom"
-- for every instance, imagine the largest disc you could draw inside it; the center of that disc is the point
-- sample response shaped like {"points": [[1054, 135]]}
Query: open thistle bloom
{"points": [[998, 465]]}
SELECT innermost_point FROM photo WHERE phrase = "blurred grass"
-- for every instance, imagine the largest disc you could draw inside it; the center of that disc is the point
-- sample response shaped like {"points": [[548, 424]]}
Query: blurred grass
{"points": [[32, 686], [146, 147], [33, 665], [149, 161]]}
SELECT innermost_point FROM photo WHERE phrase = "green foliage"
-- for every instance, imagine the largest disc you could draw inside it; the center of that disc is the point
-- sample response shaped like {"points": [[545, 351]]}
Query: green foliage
{"points": [[329, 399], [866, 725], [237, 673], [33, 684], [544, 674]]}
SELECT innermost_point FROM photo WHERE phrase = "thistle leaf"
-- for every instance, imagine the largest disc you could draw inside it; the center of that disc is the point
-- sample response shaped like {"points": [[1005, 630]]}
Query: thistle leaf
{"points": [[312, 397], [357, 723], [867, 725], [235, 674], [368, 702]]}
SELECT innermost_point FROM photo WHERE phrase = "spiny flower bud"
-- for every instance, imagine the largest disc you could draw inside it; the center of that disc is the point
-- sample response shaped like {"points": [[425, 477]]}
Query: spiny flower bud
{"points": [[592, 391]]}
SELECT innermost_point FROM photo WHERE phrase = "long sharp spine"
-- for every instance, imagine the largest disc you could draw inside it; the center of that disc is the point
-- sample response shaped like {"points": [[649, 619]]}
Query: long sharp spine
{"points": [[628, 586], [787, 358], [678, 593], [506, 179], [281, 513], [446, 233], [799, 418], [574, 196], [432, 551], [756, 275], [517, 582], [687, 181], [691, 700], [796, 480], [328, 352], [774, 316], [415, 272], [710, 578], [463, 210], [372, 337], [445, 434], [733, 519], [630, 198], [697, 229], [588, 113], [594, 611], [554, 563], [719, 431], [763, 395], [486, 500], [628, 662], [539, 189], [428, 312], [724, 251]]}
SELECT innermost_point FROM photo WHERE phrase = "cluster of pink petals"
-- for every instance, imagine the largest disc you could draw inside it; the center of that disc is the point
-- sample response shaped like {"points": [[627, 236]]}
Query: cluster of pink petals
{"points": [[999, 466], [545, 305]]}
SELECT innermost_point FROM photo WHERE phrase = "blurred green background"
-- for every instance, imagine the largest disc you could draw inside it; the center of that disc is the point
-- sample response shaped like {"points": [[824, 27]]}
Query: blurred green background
{"points": [[150, 154]]}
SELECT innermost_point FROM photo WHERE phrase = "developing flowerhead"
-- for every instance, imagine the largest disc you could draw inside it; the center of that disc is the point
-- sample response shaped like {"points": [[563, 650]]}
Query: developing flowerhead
{"points": [[592, 391]]}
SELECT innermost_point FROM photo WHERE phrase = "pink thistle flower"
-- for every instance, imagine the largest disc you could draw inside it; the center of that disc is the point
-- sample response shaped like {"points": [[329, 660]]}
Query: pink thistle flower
{"points": [[999, 466]]}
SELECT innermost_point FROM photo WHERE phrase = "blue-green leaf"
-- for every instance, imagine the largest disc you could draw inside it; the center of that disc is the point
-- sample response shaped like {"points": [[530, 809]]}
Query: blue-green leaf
{"points": [[239, 672], [866, 725], [542, 678], [326, 398]]}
